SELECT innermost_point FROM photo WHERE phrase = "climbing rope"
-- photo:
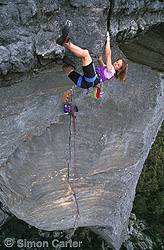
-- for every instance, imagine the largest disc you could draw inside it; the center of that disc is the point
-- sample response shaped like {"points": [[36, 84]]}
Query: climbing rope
{"points": [[75, 140]]}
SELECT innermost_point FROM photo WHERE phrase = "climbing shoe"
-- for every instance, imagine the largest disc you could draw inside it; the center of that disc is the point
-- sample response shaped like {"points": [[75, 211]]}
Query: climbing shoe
{"points": [[69, 61], [64, 38]]}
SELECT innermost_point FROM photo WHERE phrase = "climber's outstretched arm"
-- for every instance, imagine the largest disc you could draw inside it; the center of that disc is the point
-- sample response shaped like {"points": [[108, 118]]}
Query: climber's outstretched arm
{"points": [[108, 53]]}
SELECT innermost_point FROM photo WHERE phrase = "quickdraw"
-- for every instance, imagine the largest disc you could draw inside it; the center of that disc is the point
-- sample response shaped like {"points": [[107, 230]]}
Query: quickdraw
{"points": [[67, 101]]}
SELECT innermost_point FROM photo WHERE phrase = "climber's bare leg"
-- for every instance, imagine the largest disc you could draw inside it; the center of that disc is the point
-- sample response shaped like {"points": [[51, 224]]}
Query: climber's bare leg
{"points": [[81, 53]]}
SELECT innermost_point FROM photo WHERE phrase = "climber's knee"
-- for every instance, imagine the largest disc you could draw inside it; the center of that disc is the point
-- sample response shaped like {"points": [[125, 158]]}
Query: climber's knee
{"points": [[86, 59], [85, 53], [67, 69]]}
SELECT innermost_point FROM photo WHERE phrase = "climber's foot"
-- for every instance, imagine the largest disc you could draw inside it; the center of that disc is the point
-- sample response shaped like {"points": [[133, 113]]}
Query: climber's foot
{"points": [[65, 36]]}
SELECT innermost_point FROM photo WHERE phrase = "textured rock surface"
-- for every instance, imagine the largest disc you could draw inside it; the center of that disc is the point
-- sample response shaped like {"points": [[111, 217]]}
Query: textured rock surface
{"points": [[39, 182], [147, 49], [134, 17], [29, 29]]}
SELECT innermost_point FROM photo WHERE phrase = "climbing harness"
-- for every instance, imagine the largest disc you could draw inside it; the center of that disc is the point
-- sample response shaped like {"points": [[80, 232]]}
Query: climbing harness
{"points": [[90, 80]]}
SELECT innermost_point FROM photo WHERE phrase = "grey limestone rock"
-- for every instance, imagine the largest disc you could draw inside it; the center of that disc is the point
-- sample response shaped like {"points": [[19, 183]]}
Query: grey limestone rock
{"points": [[9, 16], [51, 5], [143, 13], [129, 245], [27, 9], [22, 56], [45, 45], [4, 60], [48, 177], [147, 49], [40, 181], [42, 22]]}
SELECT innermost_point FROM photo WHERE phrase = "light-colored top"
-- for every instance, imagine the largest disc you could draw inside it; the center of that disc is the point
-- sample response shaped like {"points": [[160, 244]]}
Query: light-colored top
{"points": [[105, 74]]}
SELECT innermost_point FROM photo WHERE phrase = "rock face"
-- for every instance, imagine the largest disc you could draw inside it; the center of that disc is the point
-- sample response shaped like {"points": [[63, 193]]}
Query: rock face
{"points": [[147, 49], [29, 29], [49, 176], [39, 182]]}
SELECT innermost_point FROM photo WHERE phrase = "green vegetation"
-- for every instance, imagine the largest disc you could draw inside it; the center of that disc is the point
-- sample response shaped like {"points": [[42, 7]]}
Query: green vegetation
{"points": [[18, 229], [149, 200]]}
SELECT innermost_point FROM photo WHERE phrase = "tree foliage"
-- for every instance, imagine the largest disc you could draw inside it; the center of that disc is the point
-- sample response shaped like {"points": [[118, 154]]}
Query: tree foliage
{"points": [[149, 200]]}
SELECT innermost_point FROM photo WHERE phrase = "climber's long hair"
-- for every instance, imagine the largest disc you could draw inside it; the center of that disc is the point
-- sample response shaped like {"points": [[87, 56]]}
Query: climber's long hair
{"points": [[122, 73]]}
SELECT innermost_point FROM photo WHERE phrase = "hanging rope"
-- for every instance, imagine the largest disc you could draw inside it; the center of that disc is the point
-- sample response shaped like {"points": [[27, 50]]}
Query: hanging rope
{"points": [[75, 140]]}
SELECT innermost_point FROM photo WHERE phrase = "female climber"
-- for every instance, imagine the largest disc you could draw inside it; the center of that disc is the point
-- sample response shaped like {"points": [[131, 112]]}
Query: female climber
{"points": [[91, 76]]}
